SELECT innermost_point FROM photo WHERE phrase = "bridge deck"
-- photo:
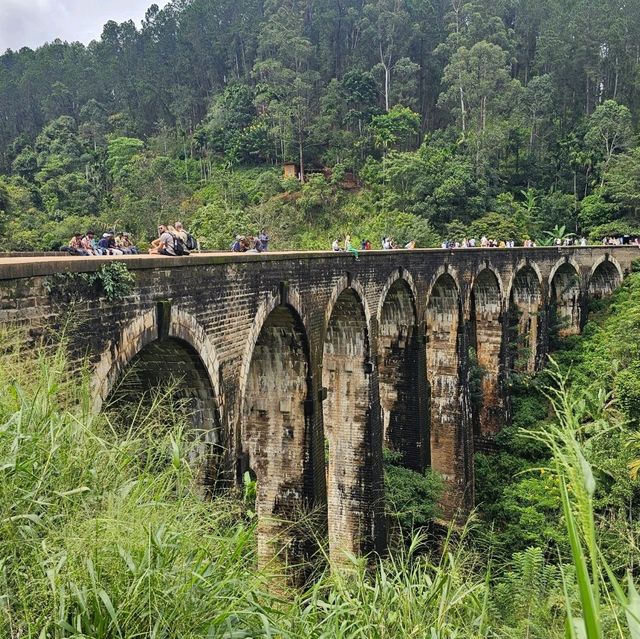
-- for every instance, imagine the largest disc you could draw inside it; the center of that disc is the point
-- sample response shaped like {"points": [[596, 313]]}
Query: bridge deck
{"points": [[21, 266]]}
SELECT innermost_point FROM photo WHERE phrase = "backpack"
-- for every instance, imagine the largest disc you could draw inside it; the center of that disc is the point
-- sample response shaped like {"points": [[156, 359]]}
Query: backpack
{"points": [[191, 243], [178, 245]]}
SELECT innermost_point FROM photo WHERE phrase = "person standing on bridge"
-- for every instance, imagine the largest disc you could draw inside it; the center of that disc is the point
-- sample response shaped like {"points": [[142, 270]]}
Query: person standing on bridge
{"points": [[349, 248], [264, 241]]}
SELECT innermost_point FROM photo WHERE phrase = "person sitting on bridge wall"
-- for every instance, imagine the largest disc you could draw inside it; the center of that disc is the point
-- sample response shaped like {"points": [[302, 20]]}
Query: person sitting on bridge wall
{"points": [[90, 245], [166, 242], [108, 244], [188, 240], [75, 245], [124, 244]]}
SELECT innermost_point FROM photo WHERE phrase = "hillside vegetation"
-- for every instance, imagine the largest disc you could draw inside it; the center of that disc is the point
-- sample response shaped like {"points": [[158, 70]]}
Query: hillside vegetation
{"points": [[423, 120]]}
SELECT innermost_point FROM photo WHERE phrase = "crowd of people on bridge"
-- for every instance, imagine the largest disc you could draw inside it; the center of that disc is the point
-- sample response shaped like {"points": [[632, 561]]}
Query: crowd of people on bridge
{"points": [[388, 243], [251, 243], [109, 243], [623, 240], [172, 240]]}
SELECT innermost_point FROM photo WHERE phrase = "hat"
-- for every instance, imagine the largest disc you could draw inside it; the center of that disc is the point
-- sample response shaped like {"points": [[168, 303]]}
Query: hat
{"points": [[106, 235]]}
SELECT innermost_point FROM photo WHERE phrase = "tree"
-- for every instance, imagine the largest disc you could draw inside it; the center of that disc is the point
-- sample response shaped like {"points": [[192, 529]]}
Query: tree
{"points": [[120, 154], [479, 89], [286, 77], [396, 126], [609, 131], [387, 24], [622, 183]]}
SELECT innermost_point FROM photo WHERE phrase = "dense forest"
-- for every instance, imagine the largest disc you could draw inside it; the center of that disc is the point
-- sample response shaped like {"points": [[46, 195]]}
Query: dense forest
{"points": [[423, 120]]}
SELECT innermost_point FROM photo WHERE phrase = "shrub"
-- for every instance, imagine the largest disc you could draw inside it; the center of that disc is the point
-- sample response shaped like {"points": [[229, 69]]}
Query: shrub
{"points": [[411, 498]]}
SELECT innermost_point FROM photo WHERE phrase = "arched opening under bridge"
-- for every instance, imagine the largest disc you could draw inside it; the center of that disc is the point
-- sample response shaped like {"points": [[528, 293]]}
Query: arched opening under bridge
{"points": [[525, 308], [451, 437], [604, 280], [402, 378], [165, 384], [486, 357], [565, 302]]}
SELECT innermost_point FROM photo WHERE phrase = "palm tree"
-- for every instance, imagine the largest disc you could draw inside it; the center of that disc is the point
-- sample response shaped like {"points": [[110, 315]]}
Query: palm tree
{"points": [[557, 233]]}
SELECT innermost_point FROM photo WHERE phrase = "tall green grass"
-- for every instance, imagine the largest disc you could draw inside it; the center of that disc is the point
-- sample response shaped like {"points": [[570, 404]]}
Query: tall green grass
{"points": [[104, 533], [602, 600]]}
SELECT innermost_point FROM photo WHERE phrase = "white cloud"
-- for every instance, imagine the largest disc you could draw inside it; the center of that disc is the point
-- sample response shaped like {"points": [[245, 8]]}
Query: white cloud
{"points": [[33, 22]]}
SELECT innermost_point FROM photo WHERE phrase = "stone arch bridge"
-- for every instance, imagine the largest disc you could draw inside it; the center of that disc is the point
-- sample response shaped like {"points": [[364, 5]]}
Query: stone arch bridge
{"points": [[300, 366]]}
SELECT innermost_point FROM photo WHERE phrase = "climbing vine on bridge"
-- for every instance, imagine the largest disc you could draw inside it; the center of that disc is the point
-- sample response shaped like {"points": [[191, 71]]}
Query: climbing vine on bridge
{"points": [[113, 281]]}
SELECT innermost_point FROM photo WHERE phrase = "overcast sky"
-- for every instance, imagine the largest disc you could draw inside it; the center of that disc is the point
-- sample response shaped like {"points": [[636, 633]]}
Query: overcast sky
{"points": [[30, 23]]}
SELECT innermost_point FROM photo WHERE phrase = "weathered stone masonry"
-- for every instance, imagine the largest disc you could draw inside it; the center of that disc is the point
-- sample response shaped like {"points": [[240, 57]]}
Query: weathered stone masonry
{"points": [[297, 366]]}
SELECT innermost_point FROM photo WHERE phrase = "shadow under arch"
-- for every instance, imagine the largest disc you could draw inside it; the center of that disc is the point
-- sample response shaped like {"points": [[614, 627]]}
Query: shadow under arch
{"points": [[525, 321], [146, 365], [402, 374], [487, 356], [605, 277], [565, 300], [352, 430], [451, 439]]}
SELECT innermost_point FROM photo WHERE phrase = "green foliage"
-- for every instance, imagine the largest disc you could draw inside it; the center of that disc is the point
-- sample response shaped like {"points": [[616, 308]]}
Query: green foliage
{"points": [[444, 113], [496, 226], [397, 125], [113, 281], [626, 388], [518, 493], [411, 498], [595, 211], [120, 153]]}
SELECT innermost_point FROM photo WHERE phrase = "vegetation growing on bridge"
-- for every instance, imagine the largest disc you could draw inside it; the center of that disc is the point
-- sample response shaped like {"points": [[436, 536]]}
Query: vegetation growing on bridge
{"points": [[113, 281], [103, 532], [415, 120]]}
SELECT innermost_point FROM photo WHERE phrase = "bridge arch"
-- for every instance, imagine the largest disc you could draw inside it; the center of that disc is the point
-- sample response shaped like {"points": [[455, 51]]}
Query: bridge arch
{"points": [[525, 322], [180, 355], [351, 425], [347, 282], [401, 372], [275, 428], [605, 277], [482, 271], [487, 342], [565, 298], [450, 442], [139, 333]]}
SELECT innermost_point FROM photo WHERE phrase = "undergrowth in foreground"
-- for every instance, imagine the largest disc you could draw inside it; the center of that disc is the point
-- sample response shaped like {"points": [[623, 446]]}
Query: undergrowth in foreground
{"points": [[104, 534]]}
